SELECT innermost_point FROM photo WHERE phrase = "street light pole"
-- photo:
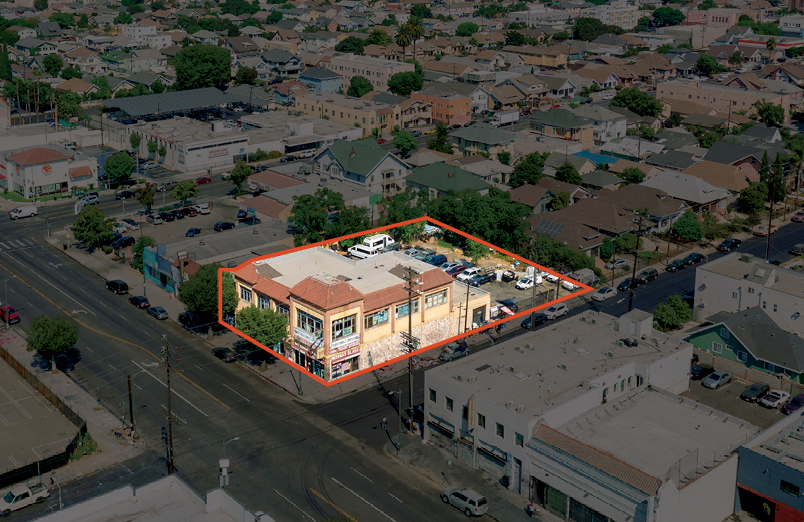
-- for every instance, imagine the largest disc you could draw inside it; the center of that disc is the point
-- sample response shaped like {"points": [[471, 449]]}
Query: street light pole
{"points": [[8, 315], [227, 442], [399, 417]]}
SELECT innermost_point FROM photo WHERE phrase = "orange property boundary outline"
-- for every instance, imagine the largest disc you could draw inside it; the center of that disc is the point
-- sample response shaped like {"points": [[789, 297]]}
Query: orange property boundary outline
{"points": [[583, 289]]}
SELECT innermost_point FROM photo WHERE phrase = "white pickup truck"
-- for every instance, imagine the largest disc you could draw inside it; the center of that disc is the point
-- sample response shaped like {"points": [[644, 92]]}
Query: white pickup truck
{"points": [[22, 496]]}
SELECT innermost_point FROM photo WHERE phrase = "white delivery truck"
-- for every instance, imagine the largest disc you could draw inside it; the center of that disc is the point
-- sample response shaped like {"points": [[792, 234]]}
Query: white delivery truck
{"points": [[23, 212], [505, 117]]}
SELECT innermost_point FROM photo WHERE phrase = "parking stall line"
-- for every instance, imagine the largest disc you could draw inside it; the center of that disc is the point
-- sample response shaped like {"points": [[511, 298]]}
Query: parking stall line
{"points": [[30, 243]]}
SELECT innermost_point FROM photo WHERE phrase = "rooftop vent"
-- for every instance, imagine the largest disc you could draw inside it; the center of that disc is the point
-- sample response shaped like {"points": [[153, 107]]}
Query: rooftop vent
{"points": [[352, 153], [520, 408], [509, 404]]}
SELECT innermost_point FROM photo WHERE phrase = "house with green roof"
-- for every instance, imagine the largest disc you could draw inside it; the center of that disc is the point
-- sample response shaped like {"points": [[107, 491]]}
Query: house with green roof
{"points": [[440, 178], [116, 59], [363, 164], [483, 138], [561, 123]]}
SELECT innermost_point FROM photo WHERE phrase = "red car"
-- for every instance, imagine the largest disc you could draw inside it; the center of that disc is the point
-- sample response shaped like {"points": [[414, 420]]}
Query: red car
{"points": [[7, 313], [201, 181], [381, 141], [455, 271]]}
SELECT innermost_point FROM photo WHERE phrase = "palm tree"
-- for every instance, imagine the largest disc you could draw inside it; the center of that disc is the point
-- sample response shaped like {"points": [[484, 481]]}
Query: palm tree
{"points": [[771, 44], [416, 25], [403, 38]]}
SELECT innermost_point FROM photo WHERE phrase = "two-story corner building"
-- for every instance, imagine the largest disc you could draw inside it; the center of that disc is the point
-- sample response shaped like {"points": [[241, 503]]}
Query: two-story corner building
{"points": [[452, 102], [481, 137], [561, 123], [364, 165], [40, 171], [375, 70], [720, 97], [623, 14], [738, 281], [321, 79], [347, 315], [366, 114], [586, 426]]}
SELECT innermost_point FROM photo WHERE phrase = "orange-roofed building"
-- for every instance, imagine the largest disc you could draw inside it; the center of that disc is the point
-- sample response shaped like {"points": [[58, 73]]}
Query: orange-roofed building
{"points": [[41, 171]]}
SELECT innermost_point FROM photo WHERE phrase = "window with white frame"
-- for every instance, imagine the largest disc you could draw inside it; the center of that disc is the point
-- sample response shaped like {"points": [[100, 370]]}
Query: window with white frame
{"points": [[283, 309], [717, 347], [263, 302], [743, 356], [435, 299], [310, 323], [245, 294], [724, 332], [402, 309], [343, 327], [770, 367]]}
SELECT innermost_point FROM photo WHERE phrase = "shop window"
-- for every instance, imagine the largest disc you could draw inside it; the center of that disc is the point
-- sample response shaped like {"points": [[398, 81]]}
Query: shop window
{"points": [[375, 319], [245, 294], [481, 420], [435, 299], [263, 302], [500, 430], [343, 327], [402, 309], [520, 439], [309, 323], [282, 309], [789, 488], [432, 395], [449, 404]]}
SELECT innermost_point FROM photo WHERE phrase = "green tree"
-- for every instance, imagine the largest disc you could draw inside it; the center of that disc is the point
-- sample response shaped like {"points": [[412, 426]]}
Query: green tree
{"points": [[475, 251], [628, 242], [310, 214], [606, 249], [403, 206], [5, 66], [348, 220], [69, 103], [41, 5], [405, 83], [274, 17], [529, 170], [389, 21], [441, 143], [665, 16], [91, 226], [135, 140], [71, 72], [119, 167], [675, 119], [568, 174], [777, 187], [52, 336], [405, 142], [83, 21], [560, 200], [162, 151], [137, 251], [379, 37], [185, 191], [123, 18], [687, 227], [771, 44], [673, 313], [421, 11], [504, 157], [230, 297], [588, 29], [736, 58], [246, 75], [632, 175], [200, 292], [514, 38], [152, 146], [203, 66], [664, 48], [637, 101], [358, 86], [53, 64], [63, 19], [240, 174], [350, 44], [707, 65], [770, 114], [264, 326], [404, 37], [467, 29], [145, 195]]}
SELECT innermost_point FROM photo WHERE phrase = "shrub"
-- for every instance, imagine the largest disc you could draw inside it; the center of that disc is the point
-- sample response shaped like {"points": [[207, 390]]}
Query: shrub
{"points": [[107, 249]]}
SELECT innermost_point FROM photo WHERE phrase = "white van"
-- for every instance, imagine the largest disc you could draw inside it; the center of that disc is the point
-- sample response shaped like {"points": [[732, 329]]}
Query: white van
{"points": [[363, 251], [378, 241], [23, 212]]}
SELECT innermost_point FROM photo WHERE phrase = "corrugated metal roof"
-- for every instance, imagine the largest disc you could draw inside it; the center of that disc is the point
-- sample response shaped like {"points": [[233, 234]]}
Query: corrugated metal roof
{"points": [[599, 459], [167, 102]]}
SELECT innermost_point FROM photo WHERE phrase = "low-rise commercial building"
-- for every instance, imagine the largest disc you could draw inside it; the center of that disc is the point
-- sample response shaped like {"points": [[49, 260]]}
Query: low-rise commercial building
{"points": [[719, 97], [347, 315], [41, 171], [367, 115]]}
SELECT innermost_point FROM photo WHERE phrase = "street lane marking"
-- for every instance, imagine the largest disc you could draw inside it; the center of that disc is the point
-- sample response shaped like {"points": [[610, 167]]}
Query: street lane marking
{"points": [[236, 393], [28, 241], [3, 245], [339, 510], [294, 505], [364, 500], [397, 498], [365, 477], [174, 391], [90, 349], [48, 282]]}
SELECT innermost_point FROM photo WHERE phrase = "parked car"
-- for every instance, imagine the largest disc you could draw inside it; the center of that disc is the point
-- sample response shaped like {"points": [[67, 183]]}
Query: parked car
{"points": [[435, 259], [189, 211], [647, 275], [91, 199], [700, 371], [525, 283], [120, 229], [167, 217], [762, 230], [193, 232], [148, 165], [154, 219], [798, 217], [630, 342], [117, 286], [177, 214], [23, 212], [223, 225], [604, 293], [412, 252], [453, 351], [449, 265], [242, 213], [381, 141], [729, 244], [416, 133], [716, 379], [538, 320], [617, 264], [774, 399], [694, 258], [676, 265], [158, 312], [625, 284], [755, 392], [509, 304], [794, 405], [797, 250], [556, 311], [467, 500], [468, 274], [21, 496], [166, 186], [569, 286], [64, 363], [139, 301], [481, 279], [202, 208], [202, 180], [455, 270], [8, 315], [225, 354], [393, 247], [124, 242]]}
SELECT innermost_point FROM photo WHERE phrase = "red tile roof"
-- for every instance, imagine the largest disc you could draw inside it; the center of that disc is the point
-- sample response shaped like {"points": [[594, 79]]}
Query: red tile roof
{"points": [[272, 289], [37, 156], [80, 172], [269, 207], [435, 278], [325, 295], [248, 274], [382, 298]]}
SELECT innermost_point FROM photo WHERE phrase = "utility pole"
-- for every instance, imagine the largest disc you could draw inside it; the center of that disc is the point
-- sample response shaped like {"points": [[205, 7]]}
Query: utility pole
{"points": [[533, 300], [412, 277], [638, 220], [770, 212], [131, 407], [466, 318], [166, 361]]}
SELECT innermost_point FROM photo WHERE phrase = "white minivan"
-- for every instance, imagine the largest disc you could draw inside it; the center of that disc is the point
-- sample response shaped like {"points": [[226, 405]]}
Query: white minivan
{"points": [[23, 212]]}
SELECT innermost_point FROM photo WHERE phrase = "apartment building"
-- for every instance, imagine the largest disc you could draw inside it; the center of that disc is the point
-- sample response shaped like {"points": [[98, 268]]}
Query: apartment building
{"points": [[719, 97], [792, 25], [453, 102], [366, 114], [375, 70], [145, 34], [620, 13]]}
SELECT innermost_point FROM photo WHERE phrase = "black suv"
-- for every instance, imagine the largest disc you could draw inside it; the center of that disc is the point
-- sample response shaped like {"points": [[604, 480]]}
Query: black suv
{"points": [[167, 216], [481, 279], [729, 244], [117, 286], [223, 225], [694, 258], [124, 242], [539, 319]]}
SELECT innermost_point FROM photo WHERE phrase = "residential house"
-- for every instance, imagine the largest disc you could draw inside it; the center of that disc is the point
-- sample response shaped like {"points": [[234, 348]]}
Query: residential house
{"points": [[763, 133], [663, 210], [416, 113], [538, 196], [553, 57], [78, 86], [697, 193], [558, 87], [671, 160], [601, 180], [438, 179], [505, 98], [730, 177], [722, 53], [561, 123], [532, 88], [363, 164], [48, 30], [492, 172], [556, 159], [284, 93], [492, 59], [452, 102], [206, 37], [321, 79], [85, 60], [282, 63], [737, 155], [483, 138], [241, 46], [606, 124], [35, 46], [264, 70], [630, 148]]}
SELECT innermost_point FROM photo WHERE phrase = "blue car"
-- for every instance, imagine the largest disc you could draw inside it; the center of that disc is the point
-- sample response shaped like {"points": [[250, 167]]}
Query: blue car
{"points": [[436, 260], [193, 232]]}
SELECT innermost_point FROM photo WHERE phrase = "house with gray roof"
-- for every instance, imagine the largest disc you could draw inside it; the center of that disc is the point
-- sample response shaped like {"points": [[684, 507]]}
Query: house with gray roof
{"points": [[363, 164], [282, 63], [438, 179], [606, 124], [321, 79], [671, 159], [601, 180], [482, 137], [556, 159], [48, 30], [697, 193], [763, 132]]}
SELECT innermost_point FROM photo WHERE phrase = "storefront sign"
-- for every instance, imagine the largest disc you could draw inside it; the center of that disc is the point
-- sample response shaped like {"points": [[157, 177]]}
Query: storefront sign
{"points": [[303, 334], [214, 153], [346, 355], [46, 169], [344, 342], [471, 413]]}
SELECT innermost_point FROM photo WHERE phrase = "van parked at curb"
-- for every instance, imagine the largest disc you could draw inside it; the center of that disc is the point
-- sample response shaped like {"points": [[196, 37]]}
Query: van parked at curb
{"points": [[23, 212]]}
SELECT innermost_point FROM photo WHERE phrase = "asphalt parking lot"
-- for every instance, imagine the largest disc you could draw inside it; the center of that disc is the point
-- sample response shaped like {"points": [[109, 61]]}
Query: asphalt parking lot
{"points": [[727, 399]]}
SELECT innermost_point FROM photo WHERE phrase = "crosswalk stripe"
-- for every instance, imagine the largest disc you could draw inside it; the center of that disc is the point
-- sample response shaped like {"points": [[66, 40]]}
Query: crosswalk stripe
{"points": [[31, 243], [18, 241], [3, 245]]}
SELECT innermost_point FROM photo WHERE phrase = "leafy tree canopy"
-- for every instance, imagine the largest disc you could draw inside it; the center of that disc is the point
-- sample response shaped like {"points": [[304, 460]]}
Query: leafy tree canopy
{"points": [[673, 313], [665, 16], [467, 29], [265, 326], [529, 170], [358, 86], [405, 142], [770, 114], [379, 37], [246, 76], [707, 65], [752, 198], [405, 83], [568, 174], [52, 336], [200, 292], [588, 29], [119, 167], [201, 66], [350, 44], [185, 190], [421, 10], [637, 101], [91, 226], [687, 227], [441, 143]]}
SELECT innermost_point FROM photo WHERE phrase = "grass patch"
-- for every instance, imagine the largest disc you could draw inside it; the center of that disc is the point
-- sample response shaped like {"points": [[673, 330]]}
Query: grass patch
{"points": [[445, 244], [86, 446], [16, 198]]}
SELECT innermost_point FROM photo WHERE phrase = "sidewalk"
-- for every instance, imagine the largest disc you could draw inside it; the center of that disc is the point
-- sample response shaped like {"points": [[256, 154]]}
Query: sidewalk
{"points": [[100, 421]]}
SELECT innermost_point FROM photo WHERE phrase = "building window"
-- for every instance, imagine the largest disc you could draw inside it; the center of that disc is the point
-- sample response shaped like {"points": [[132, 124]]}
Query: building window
{"points": [[629, 383], [615, 386], [717, 347], [435, 299], [775, 308], [724, 332], [309, 323], [481, 420], [375, 319], [432, 395], [465, 413], [343, 327], [245, 294], [449, 404], [263, 302], [500, 430], [402, 309], [282, 309], [764, 304], [622, 385], [734, 295], [770, 367], [789, 488], [750, 290], [520, 439], [743, 356]]}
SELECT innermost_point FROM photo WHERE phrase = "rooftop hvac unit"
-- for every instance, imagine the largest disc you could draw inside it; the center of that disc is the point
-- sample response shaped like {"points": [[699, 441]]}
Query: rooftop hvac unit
{"points": [[610, 354], [472, 379], [520, 408], [562, 366], [511, 369], [457, 377], [528, 346], [519, 349], [583, 318], [593, 321], [509, 404]]}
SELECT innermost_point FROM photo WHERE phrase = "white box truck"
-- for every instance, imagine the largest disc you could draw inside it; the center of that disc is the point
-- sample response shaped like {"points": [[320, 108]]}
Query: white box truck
{"points": [[505, 117], [23, 212]]}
